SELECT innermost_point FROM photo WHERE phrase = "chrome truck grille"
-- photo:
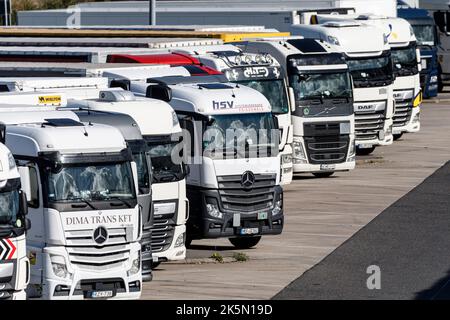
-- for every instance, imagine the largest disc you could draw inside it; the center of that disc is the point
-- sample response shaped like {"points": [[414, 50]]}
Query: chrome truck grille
{"points": [[369, 119], [234, 197], [163, 232], [403, 107], [326, 143], [86, 253]]}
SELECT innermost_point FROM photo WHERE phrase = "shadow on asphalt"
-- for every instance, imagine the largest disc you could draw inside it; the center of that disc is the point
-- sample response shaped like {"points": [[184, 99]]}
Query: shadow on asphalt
{"points": [[439, 291], [213, 248]]}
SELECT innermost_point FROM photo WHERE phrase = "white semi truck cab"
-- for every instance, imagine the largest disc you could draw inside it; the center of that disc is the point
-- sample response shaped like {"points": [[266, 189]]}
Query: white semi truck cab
{"points": [[321, 86], [161, 133], [14, 264], [81, 187], [260, 72], [407, 67], [368, 56], [233, 138]]}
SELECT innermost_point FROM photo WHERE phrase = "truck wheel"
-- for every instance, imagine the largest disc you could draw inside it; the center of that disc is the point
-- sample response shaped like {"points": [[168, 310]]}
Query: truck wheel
{"points": [[397, 136], [365, 151], [440, 82], [323, 174], [155, 264], [244, 243]]}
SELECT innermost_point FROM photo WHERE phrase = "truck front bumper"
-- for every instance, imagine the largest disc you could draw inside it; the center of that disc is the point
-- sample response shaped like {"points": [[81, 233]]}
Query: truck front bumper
{"points": [[80, 282], [228, 224], [413, 124]]}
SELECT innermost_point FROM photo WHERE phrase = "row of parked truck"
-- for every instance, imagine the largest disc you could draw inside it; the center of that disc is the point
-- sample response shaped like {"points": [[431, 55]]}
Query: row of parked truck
{"points": [[120, 156]]}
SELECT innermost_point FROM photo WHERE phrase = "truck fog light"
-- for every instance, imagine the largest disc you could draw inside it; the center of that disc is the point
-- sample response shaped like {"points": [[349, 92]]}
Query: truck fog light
{"points": [[416, 118], [180, 241], [214, 211], [277, 208], [135, 265], [286, 158], [59, 266], [389, 131]]}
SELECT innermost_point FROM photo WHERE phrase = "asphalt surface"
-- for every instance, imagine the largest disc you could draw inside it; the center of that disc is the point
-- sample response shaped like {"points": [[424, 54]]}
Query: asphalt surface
{"points": [[409, 242]]}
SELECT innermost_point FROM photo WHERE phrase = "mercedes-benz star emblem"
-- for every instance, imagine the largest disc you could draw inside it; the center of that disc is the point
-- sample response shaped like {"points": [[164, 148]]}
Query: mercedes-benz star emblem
{"points": [[247, 179], [100, 235]]}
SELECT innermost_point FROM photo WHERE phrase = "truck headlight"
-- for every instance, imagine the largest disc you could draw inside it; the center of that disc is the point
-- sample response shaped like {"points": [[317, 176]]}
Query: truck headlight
{"points": [[299, 153], [278, 206], [433, 79], [164, 208], [213, 211], [180, 241], [11, 161], [333, 40], [135, 265], [59, 266]]}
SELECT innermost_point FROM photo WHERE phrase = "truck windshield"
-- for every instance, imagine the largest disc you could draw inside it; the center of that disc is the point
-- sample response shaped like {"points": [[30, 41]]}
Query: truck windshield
{"points": [[274, 90], [425, 35], [240, 136], [9, 208], [86, 182], [405, 61], [164, 169], [321, 85], [371, 71]]}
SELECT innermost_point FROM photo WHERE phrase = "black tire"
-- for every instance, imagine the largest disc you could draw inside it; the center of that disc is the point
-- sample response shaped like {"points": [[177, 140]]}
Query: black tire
{"points": [[155, 265], [244, 242], [440, 82], [323, 174], [397, 136], [187, 242], [365, 151]]}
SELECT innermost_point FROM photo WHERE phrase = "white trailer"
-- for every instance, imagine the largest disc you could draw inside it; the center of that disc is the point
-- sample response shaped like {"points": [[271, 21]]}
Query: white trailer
{"points": [[14, 264], [85, 218], [270, 14]]}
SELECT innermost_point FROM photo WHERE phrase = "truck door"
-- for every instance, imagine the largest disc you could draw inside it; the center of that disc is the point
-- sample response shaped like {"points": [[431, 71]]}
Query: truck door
{"points": [[36, 236]]}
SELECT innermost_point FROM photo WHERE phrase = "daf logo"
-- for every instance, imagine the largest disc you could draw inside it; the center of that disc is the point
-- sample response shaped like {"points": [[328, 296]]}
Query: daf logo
{"points": [[365, 107], [100, 235], [247, 179]]}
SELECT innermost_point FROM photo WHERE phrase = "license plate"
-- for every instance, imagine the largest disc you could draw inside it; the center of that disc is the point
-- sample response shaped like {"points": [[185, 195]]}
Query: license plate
{"points": [[262, 215], [100, 294], [247, 231], [364, 146], [327, 166]]}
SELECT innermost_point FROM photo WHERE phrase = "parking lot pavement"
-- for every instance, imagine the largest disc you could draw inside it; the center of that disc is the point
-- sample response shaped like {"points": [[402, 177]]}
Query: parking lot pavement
{"points": [[321, 214], [401, 254]]}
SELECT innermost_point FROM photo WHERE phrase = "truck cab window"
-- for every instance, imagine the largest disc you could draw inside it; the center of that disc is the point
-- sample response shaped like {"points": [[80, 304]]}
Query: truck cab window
{"points": [[34, 183]]}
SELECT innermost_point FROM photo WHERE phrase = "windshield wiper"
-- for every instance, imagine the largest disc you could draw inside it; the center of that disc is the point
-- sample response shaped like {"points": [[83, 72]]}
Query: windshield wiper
{"points": [[85, 201], [121, 200]]}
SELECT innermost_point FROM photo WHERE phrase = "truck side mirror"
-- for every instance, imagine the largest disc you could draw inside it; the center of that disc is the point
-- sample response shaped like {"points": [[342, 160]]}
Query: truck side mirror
{"points": [[186, 169], [27, 224], [159, 91], [123, 83], [23, 205], [25, 181], [2, 133], [291, 99]]}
